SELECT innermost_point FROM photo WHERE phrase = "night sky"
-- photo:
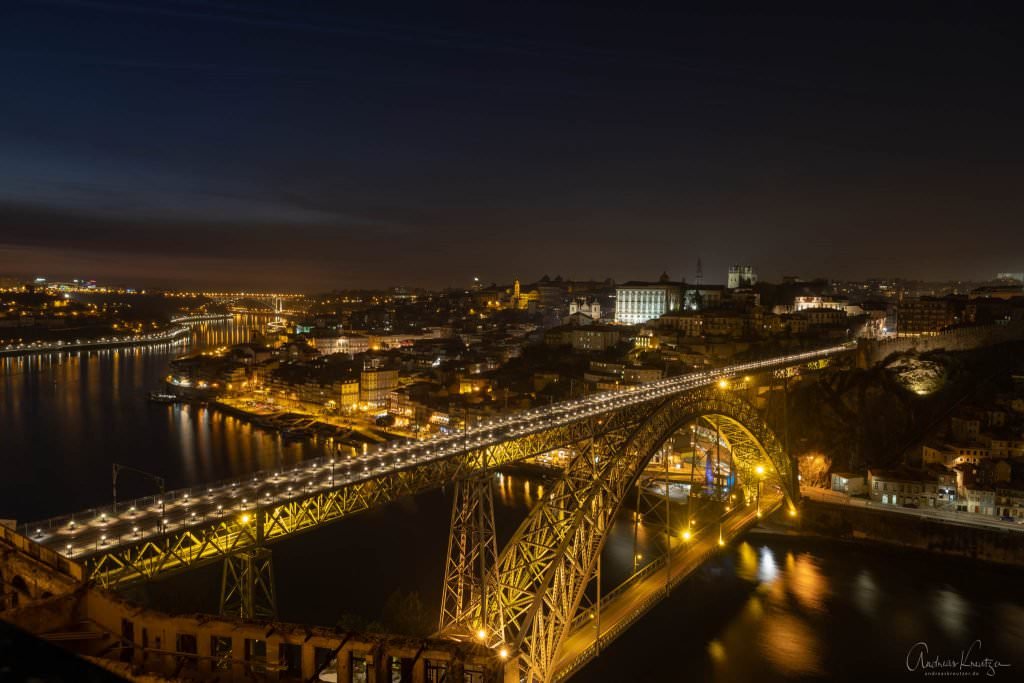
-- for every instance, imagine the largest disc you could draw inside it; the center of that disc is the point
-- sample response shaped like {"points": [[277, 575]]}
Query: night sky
{"points": [[312, 146]]}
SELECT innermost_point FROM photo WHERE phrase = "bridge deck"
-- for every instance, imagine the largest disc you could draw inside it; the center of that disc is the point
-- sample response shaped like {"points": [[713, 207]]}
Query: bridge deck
{"points": [[181, 527], [628, 605]]}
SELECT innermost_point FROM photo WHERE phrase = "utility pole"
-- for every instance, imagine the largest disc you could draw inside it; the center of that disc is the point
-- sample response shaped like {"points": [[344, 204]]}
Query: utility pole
{"points": [[597, 634], [116, 469], [693, 470], [668, 529]]}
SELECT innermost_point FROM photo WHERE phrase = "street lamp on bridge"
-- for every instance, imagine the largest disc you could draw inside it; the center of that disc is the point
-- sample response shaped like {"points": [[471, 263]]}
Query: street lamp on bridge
{"points": [[760, 477]]}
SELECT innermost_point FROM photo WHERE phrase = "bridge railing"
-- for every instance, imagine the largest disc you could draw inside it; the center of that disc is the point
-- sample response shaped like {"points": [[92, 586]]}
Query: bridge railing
{"points": [[192, 494], [604, 639], [201, 317], [196, 493]]}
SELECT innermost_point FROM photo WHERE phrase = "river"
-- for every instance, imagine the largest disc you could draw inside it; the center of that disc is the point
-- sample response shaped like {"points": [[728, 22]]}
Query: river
{"points": [[65, 418], [767, 609]]}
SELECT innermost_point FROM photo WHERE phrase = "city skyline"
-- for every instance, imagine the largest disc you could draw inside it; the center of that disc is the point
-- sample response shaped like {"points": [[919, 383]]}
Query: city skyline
{"points": [[320, 147], [505, 341]]}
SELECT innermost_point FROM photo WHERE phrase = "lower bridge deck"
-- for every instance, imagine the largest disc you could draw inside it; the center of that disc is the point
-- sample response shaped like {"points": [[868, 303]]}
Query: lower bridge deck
{"points": [[631, 601]]}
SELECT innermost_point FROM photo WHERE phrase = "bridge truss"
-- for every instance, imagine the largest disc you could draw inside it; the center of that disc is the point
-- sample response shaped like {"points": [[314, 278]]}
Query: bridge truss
{"points": [[531, 597], [179, 531]]}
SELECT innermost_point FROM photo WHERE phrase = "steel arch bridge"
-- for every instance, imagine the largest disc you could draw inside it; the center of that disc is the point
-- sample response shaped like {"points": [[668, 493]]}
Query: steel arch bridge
{"points": [[145, 538], [533, 593]]}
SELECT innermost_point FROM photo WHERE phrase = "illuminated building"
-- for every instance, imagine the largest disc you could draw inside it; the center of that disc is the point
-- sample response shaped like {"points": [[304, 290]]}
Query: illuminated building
{"points": [[375, 383], [350, 344], [524, 300], [581, 305], [926, 315], [911, 488], [584, 338], [1004, 292], [741, 276], [638, 302]]}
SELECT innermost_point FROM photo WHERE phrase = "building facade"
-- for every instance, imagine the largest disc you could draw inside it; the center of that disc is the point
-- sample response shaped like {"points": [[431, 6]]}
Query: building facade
{"points": [[638, 302], [741, 276]]}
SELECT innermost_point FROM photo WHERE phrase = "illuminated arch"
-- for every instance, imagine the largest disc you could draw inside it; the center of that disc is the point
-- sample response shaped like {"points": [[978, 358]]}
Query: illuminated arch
{"points": [[544, 570]]}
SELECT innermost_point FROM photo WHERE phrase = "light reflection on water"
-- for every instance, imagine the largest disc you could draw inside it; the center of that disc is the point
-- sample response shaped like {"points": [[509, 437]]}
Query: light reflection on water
{"points": [[778, 609], [951, 612], [65, 418]]}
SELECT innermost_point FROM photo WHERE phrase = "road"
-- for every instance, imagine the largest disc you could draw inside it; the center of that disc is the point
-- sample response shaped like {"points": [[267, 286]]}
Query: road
{"points": [[99, 530], [949, 516], [629, 605]]}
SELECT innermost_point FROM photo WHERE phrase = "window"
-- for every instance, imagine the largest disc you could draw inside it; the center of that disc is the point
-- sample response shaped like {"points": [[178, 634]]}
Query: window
{"points": [[186, 643], [291, 661], [128, 636], [359, 668], [220, 650], [436, 671], [322, 658]]}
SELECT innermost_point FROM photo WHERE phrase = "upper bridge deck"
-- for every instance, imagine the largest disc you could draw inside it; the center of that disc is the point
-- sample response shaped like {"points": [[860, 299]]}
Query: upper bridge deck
{"points": [[145, 536]]}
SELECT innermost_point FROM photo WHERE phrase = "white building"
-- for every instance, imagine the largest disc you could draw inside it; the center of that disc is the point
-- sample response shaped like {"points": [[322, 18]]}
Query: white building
{"points": [[638, 302], [581, 305], [350, 344]]}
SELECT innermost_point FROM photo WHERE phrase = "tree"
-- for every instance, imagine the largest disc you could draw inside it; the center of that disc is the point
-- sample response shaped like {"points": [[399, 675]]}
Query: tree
{"points": [[405, 613]]}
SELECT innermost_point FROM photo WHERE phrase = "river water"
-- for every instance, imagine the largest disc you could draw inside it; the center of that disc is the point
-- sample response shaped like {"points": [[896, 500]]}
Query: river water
{"points": [[65, 418], [767, 609]]}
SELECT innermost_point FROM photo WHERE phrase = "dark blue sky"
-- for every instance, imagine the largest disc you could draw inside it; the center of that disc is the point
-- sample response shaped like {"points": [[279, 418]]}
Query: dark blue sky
{"points": [[321, 145]]}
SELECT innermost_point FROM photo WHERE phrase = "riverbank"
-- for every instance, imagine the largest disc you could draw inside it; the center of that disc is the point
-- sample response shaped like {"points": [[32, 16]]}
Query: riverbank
{"points": [[293, 426], [173, 335], [879, 527]]}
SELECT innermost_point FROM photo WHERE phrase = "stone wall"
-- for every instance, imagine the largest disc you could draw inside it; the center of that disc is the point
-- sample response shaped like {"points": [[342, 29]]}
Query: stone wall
{"points": [[1001, 546], [44, 596], [872, 351]]}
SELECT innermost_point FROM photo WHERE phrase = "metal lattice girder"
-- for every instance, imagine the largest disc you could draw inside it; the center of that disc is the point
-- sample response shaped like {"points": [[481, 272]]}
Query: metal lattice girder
{"points": [[472, 555], [247, 585], [150, 558], [183, 548], [544, 570], [185, 543]]}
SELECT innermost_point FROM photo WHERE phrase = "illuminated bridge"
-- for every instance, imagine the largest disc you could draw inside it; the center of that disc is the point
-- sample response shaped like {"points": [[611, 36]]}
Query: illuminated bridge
{"points": [[529, 602]]}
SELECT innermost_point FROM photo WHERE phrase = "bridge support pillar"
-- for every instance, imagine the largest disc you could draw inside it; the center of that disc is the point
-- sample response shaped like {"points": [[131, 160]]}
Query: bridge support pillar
{"points": [[472, 555], [247, 588]]}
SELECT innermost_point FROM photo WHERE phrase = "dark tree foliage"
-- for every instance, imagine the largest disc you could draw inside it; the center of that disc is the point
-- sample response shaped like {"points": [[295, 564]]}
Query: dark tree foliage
{"points": [[868, 418], [405, 613]]}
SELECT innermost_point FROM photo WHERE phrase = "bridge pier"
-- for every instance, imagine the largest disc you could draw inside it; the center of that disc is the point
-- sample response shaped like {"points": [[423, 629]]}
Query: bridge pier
{"points": [[247, 588], [472, 555]]}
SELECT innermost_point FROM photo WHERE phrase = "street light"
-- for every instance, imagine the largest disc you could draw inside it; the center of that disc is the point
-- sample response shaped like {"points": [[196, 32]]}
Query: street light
{"points": [[760, 477]]}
